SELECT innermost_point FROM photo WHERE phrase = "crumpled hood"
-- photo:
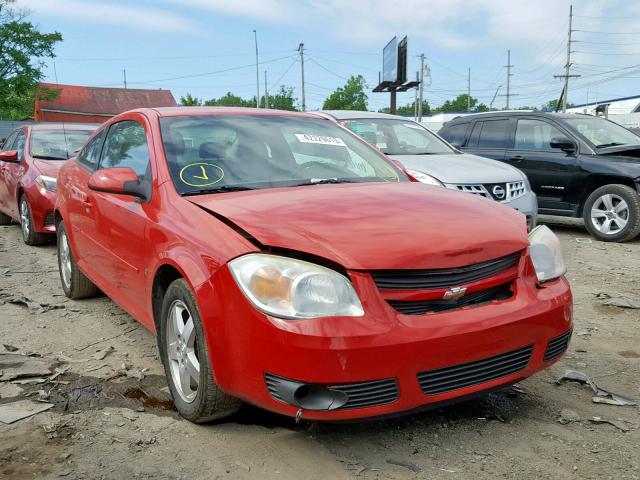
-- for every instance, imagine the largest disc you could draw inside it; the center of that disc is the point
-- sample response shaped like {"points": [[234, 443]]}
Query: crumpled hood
{"points": [[371, 226], [49, 168], [461, 168]]}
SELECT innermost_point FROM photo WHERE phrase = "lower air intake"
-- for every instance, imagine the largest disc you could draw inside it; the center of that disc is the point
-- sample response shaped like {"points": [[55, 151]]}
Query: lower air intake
{"points": [[557, 346], [441, 380]]}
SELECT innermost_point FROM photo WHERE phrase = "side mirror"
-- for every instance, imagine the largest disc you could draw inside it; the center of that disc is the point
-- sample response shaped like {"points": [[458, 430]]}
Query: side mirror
{"points": [[563, 143], [120, 181], [9, 156]]}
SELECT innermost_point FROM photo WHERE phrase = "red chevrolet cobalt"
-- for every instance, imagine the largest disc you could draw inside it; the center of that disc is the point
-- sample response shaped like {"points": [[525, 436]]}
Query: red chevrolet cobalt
{"points": [[29, 163], [284, 262]]}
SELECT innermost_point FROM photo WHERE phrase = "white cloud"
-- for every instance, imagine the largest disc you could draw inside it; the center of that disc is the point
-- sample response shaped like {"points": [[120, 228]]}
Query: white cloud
{"points": [[143, 18]]}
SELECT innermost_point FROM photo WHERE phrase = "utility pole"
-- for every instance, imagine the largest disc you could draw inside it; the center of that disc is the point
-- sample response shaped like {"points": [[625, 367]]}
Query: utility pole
{"points": [[415, 100], [255, 37], [509, 75], [124, 74], [468, 90], [567, 66], [421, 86], [495, 95], [301, 50], [266, 91]]}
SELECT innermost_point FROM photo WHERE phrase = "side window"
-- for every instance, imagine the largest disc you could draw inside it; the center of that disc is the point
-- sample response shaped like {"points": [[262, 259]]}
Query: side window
{"points": [[126, 146], [18, 145], [9, 141], [536, 135], [90, 154], [455, 134], [494, 134]]}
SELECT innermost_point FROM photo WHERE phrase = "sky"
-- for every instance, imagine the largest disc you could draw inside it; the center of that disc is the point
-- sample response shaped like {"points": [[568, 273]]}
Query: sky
{"points": [[206, 47]]}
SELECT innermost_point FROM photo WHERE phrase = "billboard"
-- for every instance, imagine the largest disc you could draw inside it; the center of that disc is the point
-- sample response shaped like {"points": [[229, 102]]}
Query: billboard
{"points": [[390, 61], [394, 61]]}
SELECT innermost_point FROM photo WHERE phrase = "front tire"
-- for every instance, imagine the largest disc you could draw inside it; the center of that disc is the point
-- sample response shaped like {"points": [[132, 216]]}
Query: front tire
{"points": [[186, 359], [74, 283], [29, 234], [612, 213]]}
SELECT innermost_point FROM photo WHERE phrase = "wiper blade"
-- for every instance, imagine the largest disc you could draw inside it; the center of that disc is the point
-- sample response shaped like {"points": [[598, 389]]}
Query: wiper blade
{"points": [[49, 157], [321, 181], [612, 144], [222, 189]]}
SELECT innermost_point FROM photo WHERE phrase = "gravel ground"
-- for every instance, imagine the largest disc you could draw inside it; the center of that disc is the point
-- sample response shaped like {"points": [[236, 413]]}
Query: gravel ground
{"points": [[110, 422]]}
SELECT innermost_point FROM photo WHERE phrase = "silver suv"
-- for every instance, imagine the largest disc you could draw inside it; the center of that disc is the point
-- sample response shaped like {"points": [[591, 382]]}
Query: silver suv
{"points": [[430, 159]]}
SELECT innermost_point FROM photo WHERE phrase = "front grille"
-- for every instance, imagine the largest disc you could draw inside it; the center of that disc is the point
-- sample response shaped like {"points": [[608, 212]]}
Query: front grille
{"points": [[501, 292], [360, 394], [443, 277], [433, 382], [505, 192], [49, 219], [557, 346], [368, 394]]}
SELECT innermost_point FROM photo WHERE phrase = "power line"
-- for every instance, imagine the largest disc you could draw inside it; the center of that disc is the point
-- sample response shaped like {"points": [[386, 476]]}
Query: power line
{"points": [[608, 33]]}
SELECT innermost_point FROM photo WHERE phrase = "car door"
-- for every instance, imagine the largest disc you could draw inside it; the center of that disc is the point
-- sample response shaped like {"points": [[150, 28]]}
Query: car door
{"points": [[490, 138], [551, 171], [120, 221], [13, 172], [4, 168]]}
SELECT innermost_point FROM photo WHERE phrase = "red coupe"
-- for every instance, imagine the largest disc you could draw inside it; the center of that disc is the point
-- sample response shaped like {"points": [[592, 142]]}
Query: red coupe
{"points": [[29, 163], [284, 262]]}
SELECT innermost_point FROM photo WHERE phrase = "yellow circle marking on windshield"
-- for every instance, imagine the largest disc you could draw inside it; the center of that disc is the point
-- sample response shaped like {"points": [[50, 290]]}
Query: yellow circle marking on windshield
{"points": [[201, 174]]}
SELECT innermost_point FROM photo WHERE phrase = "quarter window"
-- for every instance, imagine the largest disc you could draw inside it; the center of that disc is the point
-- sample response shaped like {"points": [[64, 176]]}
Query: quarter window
{"points": [[536, 135], [9, 141], [494, 134], [19, 144], [90, 155], [126, 146], [455, 134]]}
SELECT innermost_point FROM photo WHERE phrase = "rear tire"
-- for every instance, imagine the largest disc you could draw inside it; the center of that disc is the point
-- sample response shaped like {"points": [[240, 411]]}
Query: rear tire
{"points": [[74, 283], [29, 234], [612, 213], [186, 359]]}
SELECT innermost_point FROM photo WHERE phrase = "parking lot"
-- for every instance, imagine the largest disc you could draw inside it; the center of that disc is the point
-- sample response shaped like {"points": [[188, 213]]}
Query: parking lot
{"points": [[113, 419]]}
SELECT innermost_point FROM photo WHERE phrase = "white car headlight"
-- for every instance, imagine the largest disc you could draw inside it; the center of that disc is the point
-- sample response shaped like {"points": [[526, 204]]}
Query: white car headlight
{"points": [[289, 288], [46, 183], [424, 178], [546, 254]]}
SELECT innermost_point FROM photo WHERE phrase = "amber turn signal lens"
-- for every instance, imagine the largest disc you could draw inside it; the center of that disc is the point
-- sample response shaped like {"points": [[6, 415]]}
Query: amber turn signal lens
{"points": [[268, 284]]}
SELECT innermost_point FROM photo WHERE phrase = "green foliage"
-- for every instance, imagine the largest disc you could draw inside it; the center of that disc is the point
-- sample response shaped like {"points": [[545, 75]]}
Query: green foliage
{"points": [[409, 109], [551, 106], [189, 101], [283, 99], [458, 104], [230, 100], [349, 97], [22, 47]]}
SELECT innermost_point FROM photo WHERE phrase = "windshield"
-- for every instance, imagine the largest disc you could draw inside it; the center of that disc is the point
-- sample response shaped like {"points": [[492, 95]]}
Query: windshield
{"points": [[208, 153], [603, 133], [56, 144], [398, 137]]}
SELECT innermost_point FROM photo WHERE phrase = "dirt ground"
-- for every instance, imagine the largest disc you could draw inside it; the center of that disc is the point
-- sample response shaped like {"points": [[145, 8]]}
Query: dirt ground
{"points": [[109, 422]]}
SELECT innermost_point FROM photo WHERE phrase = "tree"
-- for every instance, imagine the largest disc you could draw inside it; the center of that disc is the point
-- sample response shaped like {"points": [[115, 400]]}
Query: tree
{"points": [[409, 109], [189, 101], [349, 97], [283, 99], [230, 100], [552, 105], [22, 47]]}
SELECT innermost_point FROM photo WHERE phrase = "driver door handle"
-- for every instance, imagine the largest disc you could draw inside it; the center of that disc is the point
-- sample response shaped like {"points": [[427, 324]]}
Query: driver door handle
{"points": [[517, 158]]}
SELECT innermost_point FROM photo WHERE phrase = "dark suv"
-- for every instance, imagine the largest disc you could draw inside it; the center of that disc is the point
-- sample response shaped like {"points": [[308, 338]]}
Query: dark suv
{"points": [[578, 165]]}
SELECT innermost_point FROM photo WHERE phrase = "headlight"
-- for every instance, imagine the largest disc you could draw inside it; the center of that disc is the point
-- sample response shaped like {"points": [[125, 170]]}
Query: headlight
{"points": [[424, 178], [546, 254], [289, 288], [46, 183]]}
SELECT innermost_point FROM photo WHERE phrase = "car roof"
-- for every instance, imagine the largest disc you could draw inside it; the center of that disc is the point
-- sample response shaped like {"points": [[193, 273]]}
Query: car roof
{"points": [[63, 126], [180, 111], [358, 114], [511, 113]]}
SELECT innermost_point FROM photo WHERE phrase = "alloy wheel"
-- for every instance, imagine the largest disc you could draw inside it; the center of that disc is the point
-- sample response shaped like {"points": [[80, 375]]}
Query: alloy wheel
{"points": [[610, 214], [25, 218], [182, 351], [65, 259]]}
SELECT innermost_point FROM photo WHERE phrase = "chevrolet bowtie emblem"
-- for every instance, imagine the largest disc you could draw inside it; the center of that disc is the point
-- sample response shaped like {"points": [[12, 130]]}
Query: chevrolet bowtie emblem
{"points": [[454, 293]]}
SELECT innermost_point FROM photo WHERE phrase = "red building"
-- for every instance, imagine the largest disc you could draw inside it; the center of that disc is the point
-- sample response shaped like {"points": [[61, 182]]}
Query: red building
{"points": [[80, 104]]}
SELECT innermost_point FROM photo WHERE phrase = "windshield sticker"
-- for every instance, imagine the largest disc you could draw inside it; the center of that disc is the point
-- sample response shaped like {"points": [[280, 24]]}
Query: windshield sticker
{"points": [[381, 145], [201, 174], [320, 139]]}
